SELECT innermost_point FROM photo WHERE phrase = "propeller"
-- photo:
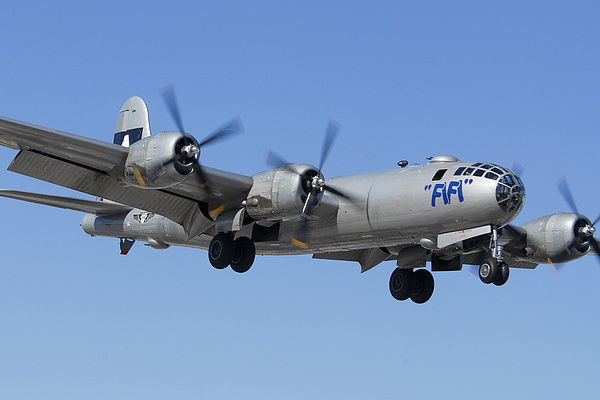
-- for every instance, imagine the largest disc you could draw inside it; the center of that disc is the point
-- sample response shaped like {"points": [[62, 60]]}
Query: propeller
{"points": [[315, 184], [190, 151], [586, 231], [518, 169]]}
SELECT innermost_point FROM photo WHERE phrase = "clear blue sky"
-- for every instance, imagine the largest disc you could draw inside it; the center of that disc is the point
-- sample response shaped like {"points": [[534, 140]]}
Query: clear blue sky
{"points": [[503, 82]]}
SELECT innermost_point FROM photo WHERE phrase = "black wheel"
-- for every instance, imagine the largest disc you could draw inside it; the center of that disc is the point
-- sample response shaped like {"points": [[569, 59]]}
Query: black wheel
{"points": [[220, 251], [503, 271], [488, 270], [243, 254], [402, 283], [423, 288]]}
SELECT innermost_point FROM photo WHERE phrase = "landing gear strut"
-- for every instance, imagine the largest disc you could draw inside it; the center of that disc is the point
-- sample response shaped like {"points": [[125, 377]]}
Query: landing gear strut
{"points": [[494, 269], [417, 285], [224, 251]]}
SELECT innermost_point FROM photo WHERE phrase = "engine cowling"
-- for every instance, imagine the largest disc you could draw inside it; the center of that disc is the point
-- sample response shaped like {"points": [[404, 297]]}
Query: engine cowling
{"points": [[159, 161], [559, 237], [280, 193]]}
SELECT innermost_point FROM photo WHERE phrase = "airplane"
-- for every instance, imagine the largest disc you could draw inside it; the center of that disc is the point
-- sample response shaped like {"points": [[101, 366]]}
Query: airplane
{"points": [[153, 188]]}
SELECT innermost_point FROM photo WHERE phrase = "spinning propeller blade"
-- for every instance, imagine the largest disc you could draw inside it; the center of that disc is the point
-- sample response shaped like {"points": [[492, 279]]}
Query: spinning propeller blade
{"points": [[587, 231], [232, 128], [316, 185], [191, 149], [272, 159], [332, 130], [168, 94], [563, 187], [518, 169]]}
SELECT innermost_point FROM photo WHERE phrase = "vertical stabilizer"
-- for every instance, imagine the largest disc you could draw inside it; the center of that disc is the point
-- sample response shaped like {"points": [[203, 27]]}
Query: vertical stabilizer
{"points": [[133, 123]]}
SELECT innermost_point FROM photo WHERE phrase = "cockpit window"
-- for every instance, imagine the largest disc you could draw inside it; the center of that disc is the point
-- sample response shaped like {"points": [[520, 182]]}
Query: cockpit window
{"points": [[439, 175], [479, 172], [508, 180], [491, 175], [520, 181]]}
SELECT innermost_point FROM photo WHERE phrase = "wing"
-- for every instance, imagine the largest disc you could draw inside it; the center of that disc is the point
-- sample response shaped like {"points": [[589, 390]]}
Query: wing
{"points": [[97, 207], [90, 166], [72, 148]]}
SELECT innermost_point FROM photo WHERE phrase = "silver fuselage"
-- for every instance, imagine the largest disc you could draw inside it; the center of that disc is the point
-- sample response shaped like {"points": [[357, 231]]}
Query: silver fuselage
{"points": [[388, 208]]}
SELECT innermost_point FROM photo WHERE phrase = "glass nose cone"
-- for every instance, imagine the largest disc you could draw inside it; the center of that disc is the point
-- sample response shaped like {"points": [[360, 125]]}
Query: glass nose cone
{"points": [[510, 193]]}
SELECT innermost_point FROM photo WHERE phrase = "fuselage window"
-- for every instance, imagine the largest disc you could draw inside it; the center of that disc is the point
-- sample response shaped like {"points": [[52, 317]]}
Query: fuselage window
{"points": [[459, 171], [439, 175]]}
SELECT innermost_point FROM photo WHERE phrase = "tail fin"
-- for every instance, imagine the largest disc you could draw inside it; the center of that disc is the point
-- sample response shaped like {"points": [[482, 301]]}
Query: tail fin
{"points": [[133, 123]]}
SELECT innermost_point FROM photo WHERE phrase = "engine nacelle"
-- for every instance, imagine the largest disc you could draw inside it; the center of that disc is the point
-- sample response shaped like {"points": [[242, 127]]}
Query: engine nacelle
{"points": [[137, 224], [158, 161], [280, 193], [558, 237]]}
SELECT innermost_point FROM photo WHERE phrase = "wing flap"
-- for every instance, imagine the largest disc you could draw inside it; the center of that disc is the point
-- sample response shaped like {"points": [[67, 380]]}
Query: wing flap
{"points": [[180, 209], [227, 188]]}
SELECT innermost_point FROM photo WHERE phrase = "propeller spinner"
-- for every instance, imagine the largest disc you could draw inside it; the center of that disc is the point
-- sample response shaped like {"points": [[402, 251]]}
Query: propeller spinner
{"points": [[315, 183], [190, 150]]}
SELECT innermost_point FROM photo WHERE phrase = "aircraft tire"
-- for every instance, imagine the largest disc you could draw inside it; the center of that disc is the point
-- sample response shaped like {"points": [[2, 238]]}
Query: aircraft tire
{"points": [[503, 272], [243, 255], [488, 271], [220, 251], [424, 284], [402, 283]]}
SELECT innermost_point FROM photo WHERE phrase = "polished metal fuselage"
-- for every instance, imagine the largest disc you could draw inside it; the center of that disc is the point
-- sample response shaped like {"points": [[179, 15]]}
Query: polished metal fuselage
{"points": [[391, 208]]}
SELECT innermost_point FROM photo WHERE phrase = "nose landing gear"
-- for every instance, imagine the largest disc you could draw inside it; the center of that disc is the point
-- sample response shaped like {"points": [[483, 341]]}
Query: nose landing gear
{"points": [[494, 269]]}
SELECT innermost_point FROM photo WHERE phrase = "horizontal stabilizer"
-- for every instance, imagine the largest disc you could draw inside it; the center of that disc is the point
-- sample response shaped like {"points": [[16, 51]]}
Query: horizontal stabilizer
{"points": [[97, 207]]}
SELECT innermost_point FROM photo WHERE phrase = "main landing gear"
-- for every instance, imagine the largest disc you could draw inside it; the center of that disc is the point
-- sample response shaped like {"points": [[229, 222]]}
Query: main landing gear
{"points": [[224, 251], [416, 285]]}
